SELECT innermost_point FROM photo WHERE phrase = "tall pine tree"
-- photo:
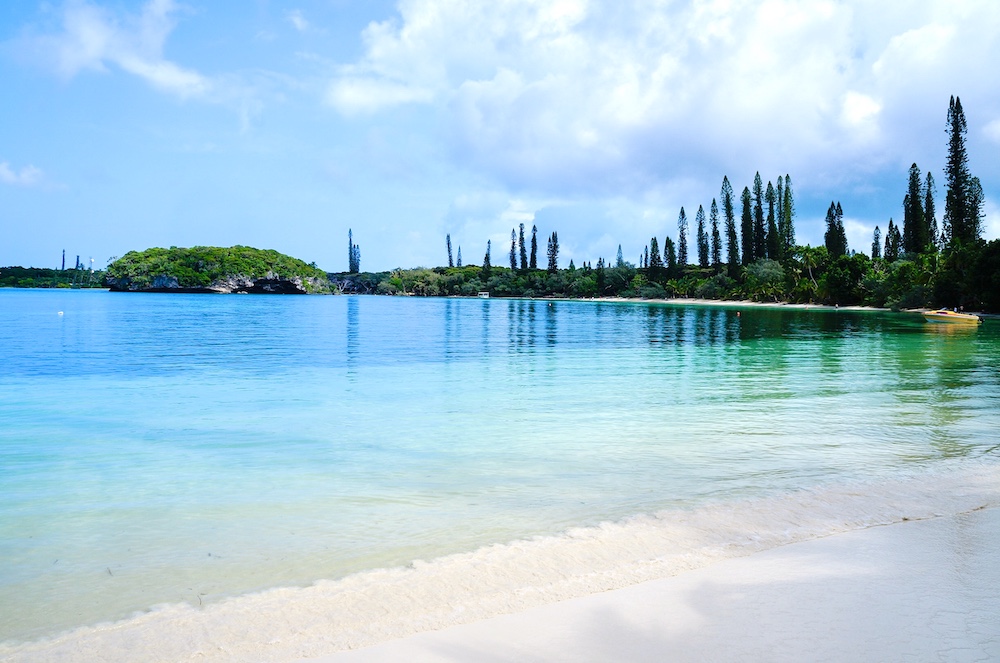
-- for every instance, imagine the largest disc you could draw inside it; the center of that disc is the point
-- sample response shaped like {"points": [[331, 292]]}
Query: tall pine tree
{"points": [[773, 242], [353, 254], [670, 257], [876, 244], [713, 216], [553, 252], [522, 249], [729, 220], [451, 263], [682, 242], [788, 214], [533, 260], [513, 249], [915, 232], [487, 265], [702, 238], [759, 229], [929, 212], [746, 226], [655, 261], [961, 226], [835, 237], [893, 243]]}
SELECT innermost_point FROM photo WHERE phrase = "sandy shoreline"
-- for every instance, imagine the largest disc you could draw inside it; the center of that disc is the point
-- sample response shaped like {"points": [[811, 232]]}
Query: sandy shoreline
{"points": [[724, 582], [916, 590]]}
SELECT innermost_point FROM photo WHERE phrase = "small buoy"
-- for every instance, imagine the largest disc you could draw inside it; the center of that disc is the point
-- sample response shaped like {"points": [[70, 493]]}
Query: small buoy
{"points": [[737, 314]]}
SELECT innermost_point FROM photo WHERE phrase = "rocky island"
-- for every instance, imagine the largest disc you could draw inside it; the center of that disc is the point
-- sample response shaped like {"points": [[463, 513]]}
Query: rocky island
{"points": [[209, 269]]}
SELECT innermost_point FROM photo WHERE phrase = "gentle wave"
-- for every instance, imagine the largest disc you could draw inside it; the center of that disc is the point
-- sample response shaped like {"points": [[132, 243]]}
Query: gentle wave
{"points": [[373, 606]]}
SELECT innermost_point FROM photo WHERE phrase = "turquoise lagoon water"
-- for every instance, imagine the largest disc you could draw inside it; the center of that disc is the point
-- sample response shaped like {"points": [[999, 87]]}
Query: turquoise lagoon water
{"points": [[184, 448]]}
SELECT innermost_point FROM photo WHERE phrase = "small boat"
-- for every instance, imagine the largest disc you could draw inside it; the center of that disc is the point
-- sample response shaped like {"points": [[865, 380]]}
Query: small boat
{"points": [[944, 315]]}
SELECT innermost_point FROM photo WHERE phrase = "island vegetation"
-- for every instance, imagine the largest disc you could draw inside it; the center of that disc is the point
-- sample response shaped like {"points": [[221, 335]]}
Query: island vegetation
{"points": [[214, 269], [41, 277], [753, 255]]}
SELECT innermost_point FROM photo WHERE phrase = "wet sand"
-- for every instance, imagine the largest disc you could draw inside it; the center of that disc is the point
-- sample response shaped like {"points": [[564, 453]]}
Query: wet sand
{"points": [[918, 590]]}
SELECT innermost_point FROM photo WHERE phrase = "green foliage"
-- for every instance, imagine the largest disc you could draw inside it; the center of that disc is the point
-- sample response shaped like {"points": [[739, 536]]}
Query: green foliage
{"points": [[764, 280], [40, 277], [200, 266]]}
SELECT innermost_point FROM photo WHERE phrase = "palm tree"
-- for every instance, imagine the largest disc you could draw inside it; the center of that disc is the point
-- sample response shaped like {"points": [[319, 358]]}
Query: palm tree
{"points": [[810, 259]]}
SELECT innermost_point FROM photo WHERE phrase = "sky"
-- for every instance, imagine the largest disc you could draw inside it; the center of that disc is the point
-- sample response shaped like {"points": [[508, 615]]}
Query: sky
{"points": [[126, 125]]}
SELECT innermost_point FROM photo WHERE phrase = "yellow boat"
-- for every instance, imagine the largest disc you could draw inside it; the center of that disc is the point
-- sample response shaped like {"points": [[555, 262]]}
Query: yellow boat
{"points": [[944, 315]]}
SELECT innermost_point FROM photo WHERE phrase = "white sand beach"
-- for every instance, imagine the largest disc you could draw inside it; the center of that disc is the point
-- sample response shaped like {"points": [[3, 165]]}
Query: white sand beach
{"points": [[919, 590], [900, 569]]}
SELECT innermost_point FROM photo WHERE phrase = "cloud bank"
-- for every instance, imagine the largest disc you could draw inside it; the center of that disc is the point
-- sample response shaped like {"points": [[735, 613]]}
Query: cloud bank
{"points": [[567, 96]]}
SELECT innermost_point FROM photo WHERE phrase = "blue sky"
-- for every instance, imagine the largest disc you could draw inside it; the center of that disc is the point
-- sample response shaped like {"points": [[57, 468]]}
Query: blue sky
{"points": [[126, 125]]}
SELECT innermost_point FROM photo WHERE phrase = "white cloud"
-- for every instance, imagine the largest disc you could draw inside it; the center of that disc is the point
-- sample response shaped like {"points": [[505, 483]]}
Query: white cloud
{"points": [[992, 130], [93, 37], [859, 109], [353, 96], [27, 176], [573, 96], [860, 235], [298, 21]]}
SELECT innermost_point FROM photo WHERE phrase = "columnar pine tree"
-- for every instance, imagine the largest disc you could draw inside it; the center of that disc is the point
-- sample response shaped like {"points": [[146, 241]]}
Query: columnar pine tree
{"points": [[929, 212], [839, 211], [977, 202], [779, 212], [670, 256], [458, 261], [713, 216], [620, 260], [876, 244], [351, 267], [533, 260], [655, 261], [893, 243], [788, 214], [522, 249], [773, 241], [553, 252], [915, 232], [682, 241], [729, 219], [960, 226], [702, 238], [835, 237], [487, 265], [451, 263], [513, 249], [746, 227], [759, 229], [644, 257]]}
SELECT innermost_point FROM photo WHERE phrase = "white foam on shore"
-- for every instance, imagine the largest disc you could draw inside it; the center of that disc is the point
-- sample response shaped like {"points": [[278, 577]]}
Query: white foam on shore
{"points": [[370, 607]]}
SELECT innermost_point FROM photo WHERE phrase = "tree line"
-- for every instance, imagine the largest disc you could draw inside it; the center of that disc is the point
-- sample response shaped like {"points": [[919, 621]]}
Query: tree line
{"points": [[754, 254]]}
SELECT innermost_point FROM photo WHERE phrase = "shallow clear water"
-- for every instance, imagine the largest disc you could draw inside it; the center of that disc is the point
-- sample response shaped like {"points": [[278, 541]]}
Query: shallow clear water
{"points": [[182, 448]]}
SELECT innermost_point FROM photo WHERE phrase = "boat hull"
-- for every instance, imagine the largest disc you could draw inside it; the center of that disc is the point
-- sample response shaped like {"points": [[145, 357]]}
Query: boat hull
{"points": [[952, 317]]}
